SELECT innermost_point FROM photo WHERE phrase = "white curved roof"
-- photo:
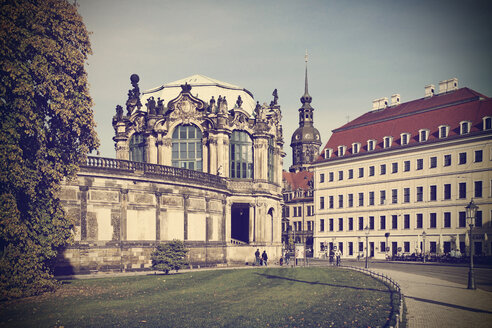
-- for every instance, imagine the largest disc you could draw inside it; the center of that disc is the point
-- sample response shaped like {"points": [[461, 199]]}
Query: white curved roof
{"points": [[204, 88]]}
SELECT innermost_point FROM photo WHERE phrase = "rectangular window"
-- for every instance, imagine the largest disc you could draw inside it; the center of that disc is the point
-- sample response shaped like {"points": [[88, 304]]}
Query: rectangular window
{"points": [[420, 218], [383, 169], [406, 195], [361, 172], [478, 189], [394, 196], [382, 197], [382, 222], [433, 246], [371, 171], [322, 202], [406, 166], [322, 178], [350, 200], [433, 193], [340, 175], [406, 221], [340, 224], [330, 176], [351, 174], [433, 162], [462, 159], [420, 194], [331, 224], [447, 191], [433, 220], [447, 160], [330, 199], [478, 219], [478, 156], [462, 220], [394, 168], [447, 220], [462, 188], [340, 201], [322, 225], [361, 246], [382, 246], [350, 224], [406, 246], [371, 197], [361, 223], [371, 222], [394, 222], [350, 248], [420, 164], [361, 199]]}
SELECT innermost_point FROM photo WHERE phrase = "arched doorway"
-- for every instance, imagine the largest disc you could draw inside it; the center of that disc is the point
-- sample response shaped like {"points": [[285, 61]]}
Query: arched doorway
{"points": [[240, 222]]}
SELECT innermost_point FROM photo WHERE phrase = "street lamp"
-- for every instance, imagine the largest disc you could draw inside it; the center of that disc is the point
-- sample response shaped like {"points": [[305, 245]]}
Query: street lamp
{"points": [[471, 211], [423, 243], [367, 245]]}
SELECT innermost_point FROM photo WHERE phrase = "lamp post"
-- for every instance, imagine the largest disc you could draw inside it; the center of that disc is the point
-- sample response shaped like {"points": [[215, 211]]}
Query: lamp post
{"points": [[367, 244], [423, 245], [471, 210]]}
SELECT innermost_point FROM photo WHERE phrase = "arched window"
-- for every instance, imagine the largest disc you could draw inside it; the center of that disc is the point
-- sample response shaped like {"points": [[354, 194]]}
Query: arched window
{"points": [[187, 147], [271, 166], [137, 148], [241, 155]]}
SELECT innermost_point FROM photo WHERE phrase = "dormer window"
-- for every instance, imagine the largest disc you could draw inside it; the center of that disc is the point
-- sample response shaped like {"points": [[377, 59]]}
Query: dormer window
{"points": [[371, 145], [423, 135], [341, 150], [443, 131], [328, 152], [487, 123], [388, 141], [405, 137], [465, 127], [355, 148]]}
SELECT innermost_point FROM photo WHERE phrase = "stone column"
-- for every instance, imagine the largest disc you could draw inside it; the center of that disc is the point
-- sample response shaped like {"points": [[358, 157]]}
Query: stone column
{"points": [[226, 221], [158, 216], [166, 152], [252, 222], [225, 164], [186, 199], [159, 144], [151, 149], [260, 158], [123, 215], [212, 144], [205, 154], [121, 142]]}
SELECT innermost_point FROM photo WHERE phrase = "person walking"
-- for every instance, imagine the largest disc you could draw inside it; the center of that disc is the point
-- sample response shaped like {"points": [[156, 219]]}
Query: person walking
{"points": [[338, 254], [257, 257], [264, 257]]}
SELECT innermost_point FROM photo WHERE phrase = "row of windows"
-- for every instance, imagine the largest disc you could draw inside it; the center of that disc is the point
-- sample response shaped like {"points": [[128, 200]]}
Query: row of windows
{"points": [[297, 211], [419, 195], [405, 137], [394, 167], [393, 222], [297, 226], [395, 248]]}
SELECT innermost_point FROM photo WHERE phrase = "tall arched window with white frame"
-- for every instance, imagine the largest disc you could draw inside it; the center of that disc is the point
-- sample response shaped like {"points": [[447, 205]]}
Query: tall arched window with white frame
{"points": [[137, 147], [187, 147], [241, 155]]}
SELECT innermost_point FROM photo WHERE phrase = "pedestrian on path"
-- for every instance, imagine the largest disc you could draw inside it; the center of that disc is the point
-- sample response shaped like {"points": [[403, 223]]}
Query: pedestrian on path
{"points": [[264, 257], [257, 257]]}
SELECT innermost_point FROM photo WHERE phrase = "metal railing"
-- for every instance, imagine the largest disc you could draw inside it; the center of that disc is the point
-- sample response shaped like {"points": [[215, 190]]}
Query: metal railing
{"points": [[392, 285], [163, 171]]}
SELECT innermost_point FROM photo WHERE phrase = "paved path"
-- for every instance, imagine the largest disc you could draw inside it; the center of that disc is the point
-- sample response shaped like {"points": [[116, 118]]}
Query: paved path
{"points": [[433, 302]]}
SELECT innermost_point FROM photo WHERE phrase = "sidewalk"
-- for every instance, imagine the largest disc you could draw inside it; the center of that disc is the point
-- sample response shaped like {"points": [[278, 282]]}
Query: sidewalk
{"points": [[433, 302]]}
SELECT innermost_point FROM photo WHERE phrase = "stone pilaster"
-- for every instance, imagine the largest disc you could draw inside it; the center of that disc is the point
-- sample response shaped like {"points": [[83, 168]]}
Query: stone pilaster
{"points": [[84, 191]]}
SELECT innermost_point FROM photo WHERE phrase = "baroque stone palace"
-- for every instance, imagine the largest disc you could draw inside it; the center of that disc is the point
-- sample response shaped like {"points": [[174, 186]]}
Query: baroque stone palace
{"points": [[197, 160]]}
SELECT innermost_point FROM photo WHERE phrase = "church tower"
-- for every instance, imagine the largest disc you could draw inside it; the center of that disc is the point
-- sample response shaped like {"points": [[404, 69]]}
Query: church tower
{"points": [[306, 140]]}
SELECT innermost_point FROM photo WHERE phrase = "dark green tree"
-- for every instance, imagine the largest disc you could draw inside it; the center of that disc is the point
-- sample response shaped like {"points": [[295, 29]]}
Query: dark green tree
{"points": [[46, 131], [169, 256]]}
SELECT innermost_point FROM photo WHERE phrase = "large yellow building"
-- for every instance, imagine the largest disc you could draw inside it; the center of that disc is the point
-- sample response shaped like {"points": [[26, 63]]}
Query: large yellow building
{"points": [[406, 171]]}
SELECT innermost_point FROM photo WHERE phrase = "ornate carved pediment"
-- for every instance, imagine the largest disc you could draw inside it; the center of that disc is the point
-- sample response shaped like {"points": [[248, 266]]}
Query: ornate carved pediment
{"points": [[186, 107]]}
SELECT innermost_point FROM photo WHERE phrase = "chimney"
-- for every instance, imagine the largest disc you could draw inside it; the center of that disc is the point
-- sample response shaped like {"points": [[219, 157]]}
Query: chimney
{"points": [[429, 90], [395, 99], [448, 85], [380, 103], [375, 104]]}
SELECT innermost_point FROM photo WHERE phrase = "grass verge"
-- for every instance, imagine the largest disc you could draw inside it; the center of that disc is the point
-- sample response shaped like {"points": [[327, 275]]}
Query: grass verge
{"points": [[262, 297]]}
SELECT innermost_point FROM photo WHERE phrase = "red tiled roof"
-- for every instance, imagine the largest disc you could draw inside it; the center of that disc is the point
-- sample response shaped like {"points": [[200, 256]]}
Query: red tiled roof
{"points": [[297, 180], [425, 113]]}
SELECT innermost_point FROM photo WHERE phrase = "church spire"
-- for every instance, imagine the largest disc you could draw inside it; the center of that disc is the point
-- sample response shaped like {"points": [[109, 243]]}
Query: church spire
{"points": [[306, 98]]}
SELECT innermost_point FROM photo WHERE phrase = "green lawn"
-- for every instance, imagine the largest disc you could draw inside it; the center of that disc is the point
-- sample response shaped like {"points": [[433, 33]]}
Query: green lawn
{"points": [[262, 297]]}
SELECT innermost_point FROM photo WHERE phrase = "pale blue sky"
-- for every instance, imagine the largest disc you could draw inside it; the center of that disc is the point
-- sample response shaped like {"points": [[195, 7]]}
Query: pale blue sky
{"points": [[359, 51]]}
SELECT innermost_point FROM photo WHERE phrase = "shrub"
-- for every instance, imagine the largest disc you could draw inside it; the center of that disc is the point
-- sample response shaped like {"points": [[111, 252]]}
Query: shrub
{"points": [[169, 256]]}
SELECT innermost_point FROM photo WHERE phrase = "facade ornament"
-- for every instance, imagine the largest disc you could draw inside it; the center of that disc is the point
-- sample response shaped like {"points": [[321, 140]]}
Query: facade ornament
{"points": [[239, 101], [133, 95], [151, 110], [211, 107], [219, 171], [160, 106], [167, 142], [119, 112], [275, 98], [222, 106], [140, 123]]}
